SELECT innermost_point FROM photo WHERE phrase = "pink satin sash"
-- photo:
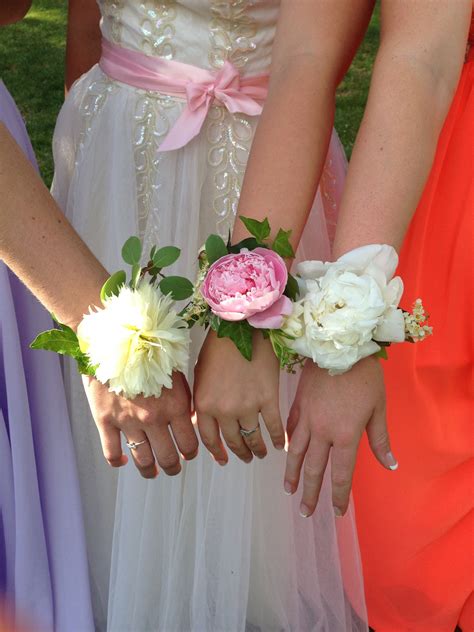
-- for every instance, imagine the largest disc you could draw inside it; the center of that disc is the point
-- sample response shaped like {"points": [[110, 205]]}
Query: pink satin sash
{"points": [[198, 86]]}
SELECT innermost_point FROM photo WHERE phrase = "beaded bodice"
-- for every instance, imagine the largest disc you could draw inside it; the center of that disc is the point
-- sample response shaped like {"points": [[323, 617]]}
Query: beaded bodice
{"points": [[204, 33]]}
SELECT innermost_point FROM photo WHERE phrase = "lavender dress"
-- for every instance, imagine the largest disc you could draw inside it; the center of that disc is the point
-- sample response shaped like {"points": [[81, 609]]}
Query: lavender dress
{"points": [[43, 567]]}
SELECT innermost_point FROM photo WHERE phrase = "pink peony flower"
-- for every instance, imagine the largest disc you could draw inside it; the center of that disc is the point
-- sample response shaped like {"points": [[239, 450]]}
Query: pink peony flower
{"points": [[248, 285]]}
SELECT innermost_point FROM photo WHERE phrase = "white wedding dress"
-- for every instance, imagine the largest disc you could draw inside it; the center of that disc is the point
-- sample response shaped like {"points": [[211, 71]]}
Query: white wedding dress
{"points": [[216, 549]]}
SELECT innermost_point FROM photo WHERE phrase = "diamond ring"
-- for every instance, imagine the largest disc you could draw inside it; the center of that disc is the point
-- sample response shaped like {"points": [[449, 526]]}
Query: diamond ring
{"points": [[133, 445]]}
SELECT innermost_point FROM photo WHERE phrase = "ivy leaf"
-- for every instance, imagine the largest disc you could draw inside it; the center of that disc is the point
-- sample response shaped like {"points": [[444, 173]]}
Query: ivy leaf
{"points": [[132, 251], [215, 248], [250, 243], [260, 230], [179, 287], [240, 333], [166, 256], [136, 273], [113, 284], [282, 246], [292, 288]]}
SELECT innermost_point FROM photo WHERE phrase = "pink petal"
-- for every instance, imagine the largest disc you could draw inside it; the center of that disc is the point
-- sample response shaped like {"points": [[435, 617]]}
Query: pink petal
{"points": [[272, 318]]}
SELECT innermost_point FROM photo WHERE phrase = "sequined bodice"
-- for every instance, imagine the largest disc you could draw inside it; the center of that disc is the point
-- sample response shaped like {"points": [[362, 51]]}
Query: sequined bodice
{"points": [[204, 33]]}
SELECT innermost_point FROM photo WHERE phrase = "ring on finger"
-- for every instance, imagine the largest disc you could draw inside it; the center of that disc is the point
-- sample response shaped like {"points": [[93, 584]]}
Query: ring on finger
{"points": [[248, 433], [133, 445]]}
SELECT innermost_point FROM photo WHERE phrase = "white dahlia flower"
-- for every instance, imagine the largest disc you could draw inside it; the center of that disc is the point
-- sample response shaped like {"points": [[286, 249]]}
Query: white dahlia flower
{"points": [[136, 341]]}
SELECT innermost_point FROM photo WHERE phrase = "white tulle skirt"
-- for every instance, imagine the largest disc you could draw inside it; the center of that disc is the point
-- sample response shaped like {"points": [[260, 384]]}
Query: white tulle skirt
{"points": [[216, 548]]}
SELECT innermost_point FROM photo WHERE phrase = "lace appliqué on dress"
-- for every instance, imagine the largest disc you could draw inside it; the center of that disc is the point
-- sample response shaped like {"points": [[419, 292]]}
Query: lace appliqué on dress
{"points": [[230, 137], [111, 13], [232, 33], [157, 28], [151, 126], [91, 104]]}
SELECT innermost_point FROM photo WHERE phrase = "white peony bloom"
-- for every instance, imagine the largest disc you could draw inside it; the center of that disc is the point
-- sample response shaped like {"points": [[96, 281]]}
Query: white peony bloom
{"points": [[136, 341], [348, 305]]}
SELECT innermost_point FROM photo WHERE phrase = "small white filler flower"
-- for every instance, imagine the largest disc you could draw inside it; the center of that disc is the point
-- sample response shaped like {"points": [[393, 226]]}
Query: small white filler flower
{"points": [[136, 341]]}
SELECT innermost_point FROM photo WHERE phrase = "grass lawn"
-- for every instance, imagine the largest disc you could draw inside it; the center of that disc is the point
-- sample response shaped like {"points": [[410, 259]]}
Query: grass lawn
{"points": [[32, 67]]}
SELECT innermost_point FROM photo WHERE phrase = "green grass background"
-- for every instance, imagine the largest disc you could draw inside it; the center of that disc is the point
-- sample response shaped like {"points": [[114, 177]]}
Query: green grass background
{"points": [[32, 67]]}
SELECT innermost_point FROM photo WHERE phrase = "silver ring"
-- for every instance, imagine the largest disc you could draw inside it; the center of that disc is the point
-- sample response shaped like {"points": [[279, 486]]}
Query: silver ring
{"points": [[247, 433], [134, 445]]}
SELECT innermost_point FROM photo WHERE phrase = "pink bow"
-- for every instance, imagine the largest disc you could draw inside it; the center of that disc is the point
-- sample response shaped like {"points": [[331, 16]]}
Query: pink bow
{"points": [[200, 87], [226, 88]]}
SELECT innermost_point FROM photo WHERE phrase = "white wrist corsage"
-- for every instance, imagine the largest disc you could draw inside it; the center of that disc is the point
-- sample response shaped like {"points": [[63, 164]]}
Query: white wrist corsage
{"points": [[137, 338], [349, 309]]}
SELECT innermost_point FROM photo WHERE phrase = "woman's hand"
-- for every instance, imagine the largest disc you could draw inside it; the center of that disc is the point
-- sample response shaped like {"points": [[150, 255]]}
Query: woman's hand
{"points": [[333, 412], [145, 419], [230, 392]]}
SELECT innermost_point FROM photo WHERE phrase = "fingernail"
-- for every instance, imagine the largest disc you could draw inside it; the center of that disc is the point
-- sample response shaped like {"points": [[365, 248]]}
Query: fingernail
{"points": [[248, 460], [221, 462], [391, 461], [337, 512], [304, 511], [288, 488], [280, 446]]}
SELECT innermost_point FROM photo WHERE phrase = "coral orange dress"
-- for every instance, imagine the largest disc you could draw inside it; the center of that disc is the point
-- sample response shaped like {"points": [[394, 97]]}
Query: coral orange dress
{"points": [[416, 525]]}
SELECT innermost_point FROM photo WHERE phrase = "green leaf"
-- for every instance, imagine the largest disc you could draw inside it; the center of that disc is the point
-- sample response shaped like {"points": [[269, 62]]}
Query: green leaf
{"points": [[166, 256], [382, 354], [292, 288], [215, 248], [84, 366], [250, 243], [152, 253], [241, 334], [282, 246], [113, 284], [136, 273], [132, 251], [179, 287], [63, 341], [260, 230]]}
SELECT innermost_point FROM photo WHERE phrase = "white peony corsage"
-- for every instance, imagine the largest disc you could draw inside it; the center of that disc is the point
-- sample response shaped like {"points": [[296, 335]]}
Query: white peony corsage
{"points": [[348, 309], [135, 341]]}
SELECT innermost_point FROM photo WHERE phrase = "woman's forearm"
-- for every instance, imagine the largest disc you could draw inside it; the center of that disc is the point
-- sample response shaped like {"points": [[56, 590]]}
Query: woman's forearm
{"points": [[39, 244], [83, 45], [315, 44], [411, 90], [289, 150]]}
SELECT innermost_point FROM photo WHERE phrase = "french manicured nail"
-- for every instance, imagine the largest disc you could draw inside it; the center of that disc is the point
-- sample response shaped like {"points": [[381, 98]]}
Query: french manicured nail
{"points": [[304, 511], [288, 488], [337, 512], [280, 446], [391, 461]]}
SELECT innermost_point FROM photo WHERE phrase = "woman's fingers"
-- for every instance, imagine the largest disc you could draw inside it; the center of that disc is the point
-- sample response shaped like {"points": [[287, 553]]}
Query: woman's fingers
{"points": [[314, 467], [379, 441], [343, 460], [254, 440], [185, 436], [294, 461], [142, 454], [272, 418], [111, 444], [231, 432], [211, 437], [164, 448]]}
